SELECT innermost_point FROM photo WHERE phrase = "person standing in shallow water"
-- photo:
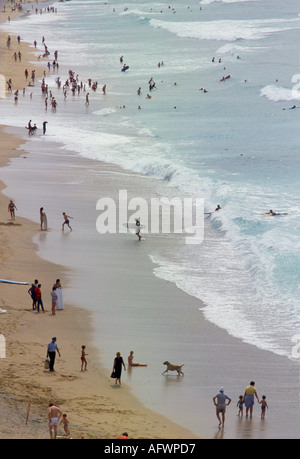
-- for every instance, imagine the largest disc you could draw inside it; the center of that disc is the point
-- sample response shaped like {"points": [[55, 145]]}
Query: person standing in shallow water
{"points": [[67, 221], [250, 392]]}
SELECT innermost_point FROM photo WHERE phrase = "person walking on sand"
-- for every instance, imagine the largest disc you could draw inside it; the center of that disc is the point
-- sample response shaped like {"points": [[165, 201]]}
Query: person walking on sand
{"points": [[250, 392], [220, 404], [54, 414], [83, 359], [51, 353], [53, 300], [38, 294], [67, 221], [65, 423], [117, 368], [12, 208]]}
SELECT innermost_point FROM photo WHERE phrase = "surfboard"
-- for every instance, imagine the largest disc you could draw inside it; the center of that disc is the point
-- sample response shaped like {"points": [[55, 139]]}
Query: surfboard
{"points": [[132, 226], [274, 215], [225, 78], [60, 299], [45, 223], [5, 281], [125, 68]]}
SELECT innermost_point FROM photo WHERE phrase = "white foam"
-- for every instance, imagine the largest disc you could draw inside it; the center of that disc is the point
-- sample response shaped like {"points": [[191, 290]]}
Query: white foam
{"points": [[208, 2], [277, 94], [226, 30]]}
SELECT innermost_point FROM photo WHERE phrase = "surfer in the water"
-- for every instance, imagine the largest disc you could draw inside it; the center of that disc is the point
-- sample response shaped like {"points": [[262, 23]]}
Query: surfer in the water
{"points": [[138, 228]]}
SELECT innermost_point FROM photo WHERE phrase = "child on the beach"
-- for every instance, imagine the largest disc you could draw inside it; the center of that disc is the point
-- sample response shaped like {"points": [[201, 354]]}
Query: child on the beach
{"points": [[83, 359], [240, 405], [264, 406], [65, 423], [53, 300], [66, 221]]}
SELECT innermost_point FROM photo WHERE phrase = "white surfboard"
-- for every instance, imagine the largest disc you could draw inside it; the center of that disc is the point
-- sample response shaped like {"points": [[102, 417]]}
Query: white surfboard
{"points": [[132, 226], [60, 299], [5, 281]]}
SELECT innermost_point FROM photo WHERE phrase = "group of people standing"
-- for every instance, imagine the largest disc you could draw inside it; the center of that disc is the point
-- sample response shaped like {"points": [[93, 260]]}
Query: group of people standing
{"points": [[221, 401], [57, 302]]}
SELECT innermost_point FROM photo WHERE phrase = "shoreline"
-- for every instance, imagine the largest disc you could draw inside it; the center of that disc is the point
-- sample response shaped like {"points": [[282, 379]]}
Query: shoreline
{"points": [[18, 257], [68, 387], [218, 338]]}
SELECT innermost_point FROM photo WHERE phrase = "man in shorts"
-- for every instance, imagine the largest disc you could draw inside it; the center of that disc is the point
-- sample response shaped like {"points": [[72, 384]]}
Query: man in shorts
{"points": [[220, 404], [54, 414]]}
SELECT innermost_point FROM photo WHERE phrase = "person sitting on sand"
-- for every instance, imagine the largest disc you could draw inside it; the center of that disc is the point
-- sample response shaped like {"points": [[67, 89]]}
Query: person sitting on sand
{"points": [[131, 363]]}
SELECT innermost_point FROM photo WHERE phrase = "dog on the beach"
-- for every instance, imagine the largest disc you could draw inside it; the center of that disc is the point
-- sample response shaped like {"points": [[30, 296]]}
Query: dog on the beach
{"points": [[171, 367]]}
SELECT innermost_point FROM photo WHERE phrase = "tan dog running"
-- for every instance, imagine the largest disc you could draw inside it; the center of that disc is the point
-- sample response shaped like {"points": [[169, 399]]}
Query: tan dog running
{"points": [[171, 367]]}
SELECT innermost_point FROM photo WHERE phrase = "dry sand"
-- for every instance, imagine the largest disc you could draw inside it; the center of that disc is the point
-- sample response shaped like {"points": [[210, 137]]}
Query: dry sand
{"points": [[94, 408]]}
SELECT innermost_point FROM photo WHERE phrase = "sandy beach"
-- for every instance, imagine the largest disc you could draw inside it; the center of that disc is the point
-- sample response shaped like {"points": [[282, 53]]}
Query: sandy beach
{"points": [[94, 409], [94, 406]]}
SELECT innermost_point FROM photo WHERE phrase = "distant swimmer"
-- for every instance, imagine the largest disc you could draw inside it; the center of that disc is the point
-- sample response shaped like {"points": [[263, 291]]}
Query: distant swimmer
{"points": [[272, 213], [291, 108], [218, 208]]}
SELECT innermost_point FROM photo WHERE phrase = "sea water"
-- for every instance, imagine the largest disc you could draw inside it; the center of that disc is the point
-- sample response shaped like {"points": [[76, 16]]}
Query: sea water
{"points": [[233, 142]]}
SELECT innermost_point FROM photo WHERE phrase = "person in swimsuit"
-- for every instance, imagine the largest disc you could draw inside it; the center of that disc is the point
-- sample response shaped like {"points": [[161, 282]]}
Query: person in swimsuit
{"points": [[83, 359], [131, 363], [11, 209], [67, 221], [264, 406], [54, 414]]}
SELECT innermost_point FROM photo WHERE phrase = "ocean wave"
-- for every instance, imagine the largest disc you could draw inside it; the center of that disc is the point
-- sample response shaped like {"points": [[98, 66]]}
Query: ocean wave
{"points": [[277, 94], [226, 30], [208, 2]]}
